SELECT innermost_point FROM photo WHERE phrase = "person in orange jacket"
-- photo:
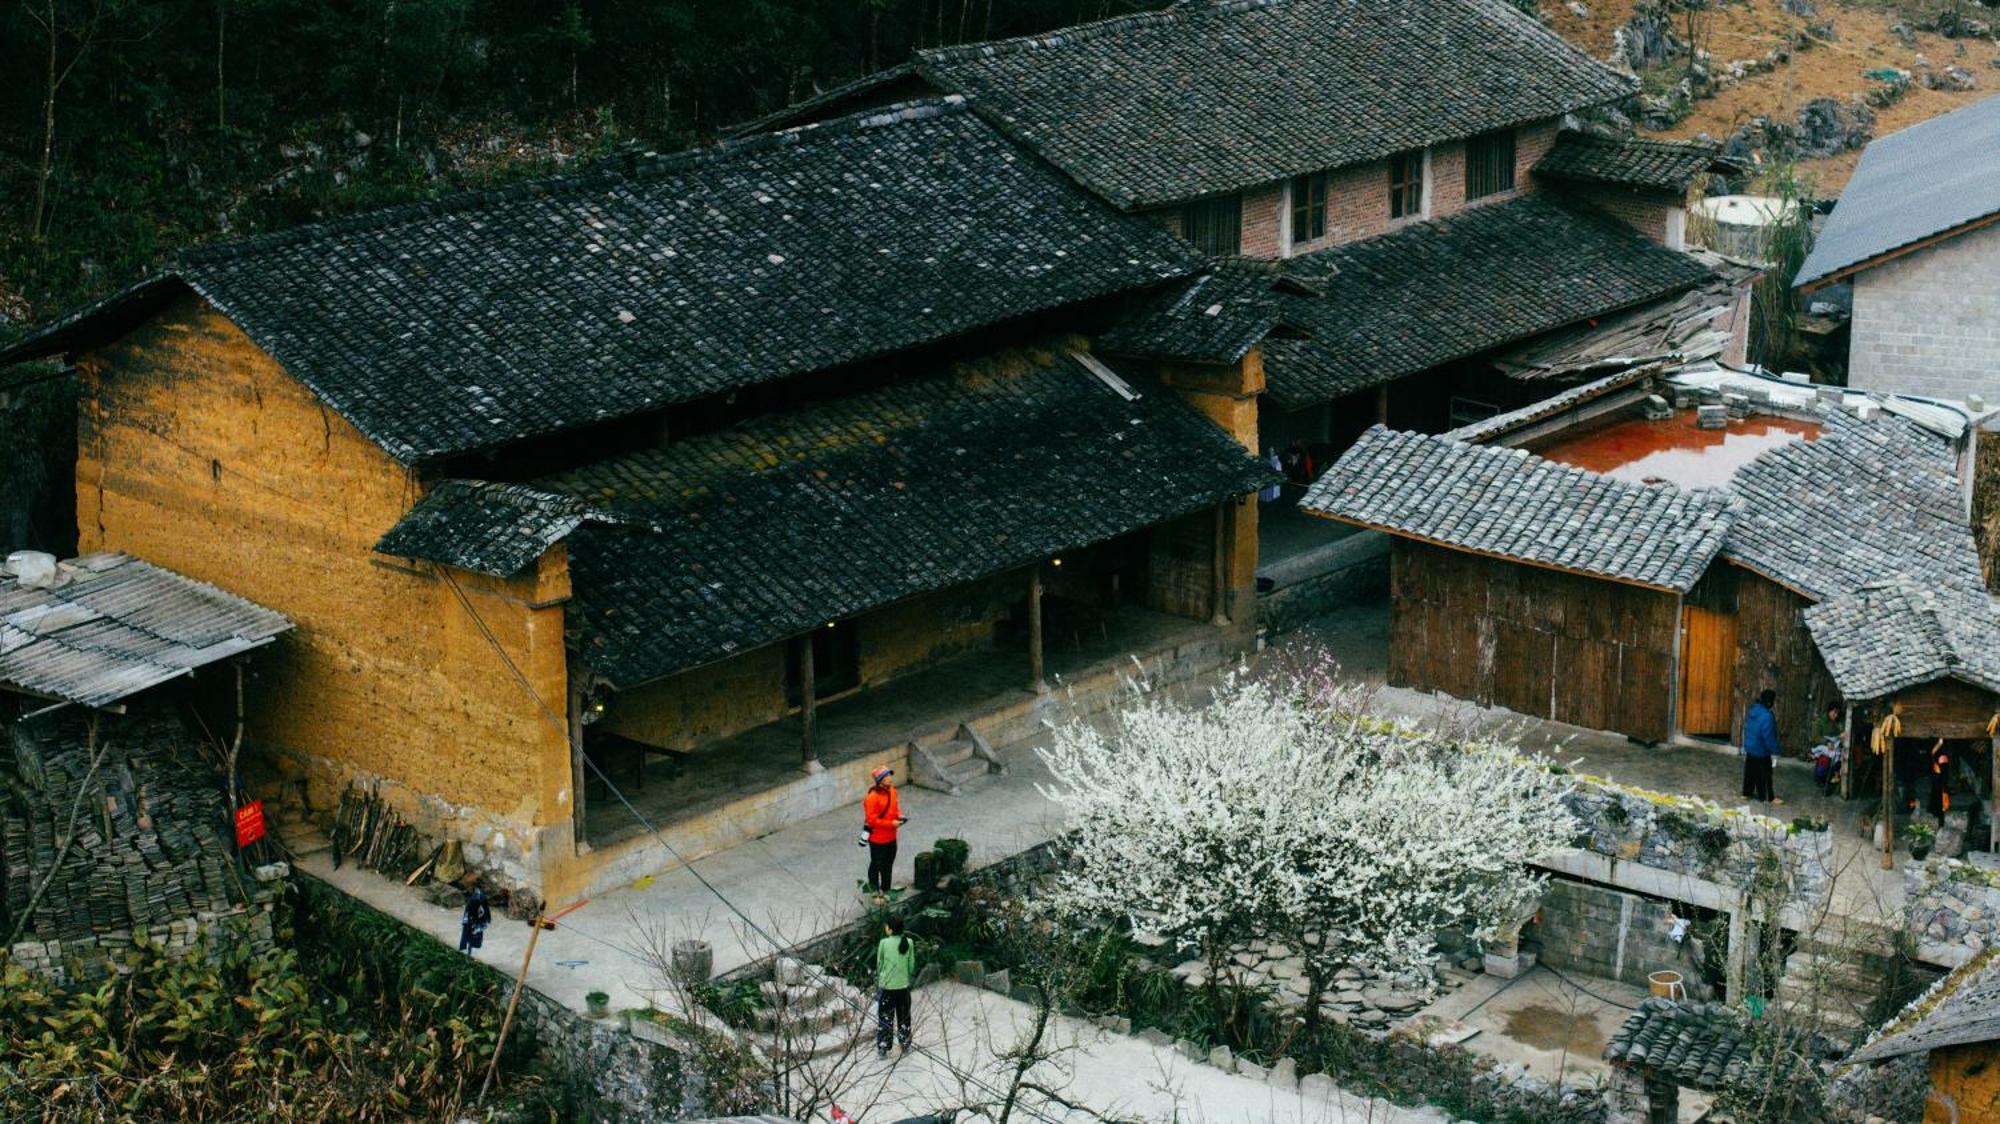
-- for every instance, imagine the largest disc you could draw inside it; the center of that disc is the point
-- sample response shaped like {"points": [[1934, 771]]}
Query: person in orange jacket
{"points": [[882, 813]]}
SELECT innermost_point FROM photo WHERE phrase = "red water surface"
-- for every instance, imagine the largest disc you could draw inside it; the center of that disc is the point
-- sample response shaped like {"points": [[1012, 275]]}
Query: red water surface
{"points": [[1674, 451]]}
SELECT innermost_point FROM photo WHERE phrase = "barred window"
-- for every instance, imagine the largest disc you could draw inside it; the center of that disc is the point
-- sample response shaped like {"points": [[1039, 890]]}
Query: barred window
{"points": [[1214, 226], [1406, 185], [1489, 164], [1308, 207]]}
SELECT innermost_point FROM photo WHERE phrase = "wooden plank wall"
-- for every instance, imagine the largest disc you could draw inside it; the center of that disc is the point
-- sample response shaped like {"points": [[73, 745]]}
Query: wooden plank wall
{"points": [[1774, 650], [1946, 709], [1554, 645]]}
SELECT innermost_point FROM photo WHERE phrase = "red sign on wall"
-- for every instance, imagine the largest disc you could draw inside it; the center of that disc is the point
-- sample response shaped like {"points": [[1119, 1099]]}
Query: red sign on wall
{"points": [[249, 823]]}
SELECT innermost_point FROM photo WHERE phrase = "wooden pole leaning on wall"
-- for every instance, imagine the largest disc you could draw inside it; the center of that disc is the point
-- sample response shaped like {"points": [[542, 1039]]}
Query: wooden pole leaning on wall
{"points": [[520, 982], [808, 708], [1218, 586], [1035, 682], [1993, 782], [1886, 732]]}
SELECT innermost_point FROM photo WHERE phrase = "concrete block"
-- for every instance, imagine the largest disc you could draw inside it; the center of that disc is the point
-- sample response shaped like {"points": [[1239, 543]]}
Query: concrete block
{"points": [[1318, 1086], [970, 972], [1153, 1035], [1001, 981], [1252, 1070], [1223, 1059], [1506, 967], [1188, 1050]]}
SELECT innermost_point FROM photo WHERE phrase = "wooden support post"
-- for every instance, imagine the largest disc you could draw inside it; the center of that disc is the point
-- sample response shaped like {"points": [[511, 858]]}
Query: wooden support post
{"points": [[1888, 803], [1382, 404], [1736, 958], [1218, 588], [1993, 794], [1035, 682], [808, 707], [1851, 756], [578, 771]]}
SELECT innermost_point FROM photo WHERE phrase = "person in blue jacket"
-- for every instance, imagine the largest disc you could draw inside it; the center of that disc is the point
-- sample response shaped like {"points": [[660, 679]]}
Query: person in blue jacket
{"points": [[1760, 746]]}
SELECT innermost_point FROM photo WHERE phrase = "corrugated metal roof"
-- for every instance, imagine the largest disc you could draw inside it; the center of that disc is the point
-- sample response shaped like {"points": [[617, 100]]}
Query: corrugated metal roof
{"points": [[114, 626], [1927, 179]]}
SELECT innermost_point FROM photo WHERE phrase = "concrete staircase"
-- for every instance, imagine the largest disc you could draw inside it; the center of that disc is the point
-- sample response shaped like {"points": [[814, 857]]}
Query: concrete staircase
{"points": [[955, 765], [1829, 989], [809, 1013]]}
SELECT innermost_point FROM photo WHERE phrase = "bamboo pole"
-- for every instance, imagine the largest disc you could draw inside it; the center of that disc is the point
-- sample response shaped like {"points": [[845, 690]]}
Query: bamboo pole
{"points": [[520, 983]]}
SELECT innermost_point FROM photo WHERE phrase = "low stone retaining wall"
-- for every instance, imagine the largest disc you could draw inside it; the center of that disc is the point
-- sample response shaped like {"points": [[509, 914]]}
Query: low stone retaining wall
{"points": [[1695, 838], [1952, 908], [1611, 934], [1360, 572]]}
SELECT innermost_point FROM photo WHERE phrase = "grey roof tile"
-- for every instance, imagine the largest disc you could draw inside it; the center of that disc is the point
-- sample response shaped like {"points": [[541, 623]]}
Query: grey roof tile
{"points": [[1702, 1046], [1631, 162], [744, 537], [1898, 633], [1211, 96], [483, 527], [1449, 288], [1513, 504], [493, 316]]}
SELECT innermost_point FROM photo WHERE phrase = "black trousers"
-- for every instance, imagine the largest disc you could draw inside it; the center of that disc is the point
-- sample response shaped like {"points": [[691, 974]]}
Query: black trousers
{"points": [[892, 1010], [881, 861], [1757, 778]]}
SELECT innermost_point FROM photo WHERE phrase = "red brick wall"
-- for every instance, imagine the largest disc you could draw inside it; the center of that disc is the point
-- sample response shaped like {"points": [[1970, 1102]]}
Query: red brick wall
{"points": [[1263, 221], [1644, 211], [1358, 196]]}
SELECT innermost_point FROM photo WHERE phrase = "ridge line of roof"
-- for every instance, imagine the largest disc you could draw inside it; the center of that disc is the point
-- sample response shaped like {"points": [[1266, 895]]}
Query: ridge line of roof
{"points": [[1094, 29], [633, 167]]}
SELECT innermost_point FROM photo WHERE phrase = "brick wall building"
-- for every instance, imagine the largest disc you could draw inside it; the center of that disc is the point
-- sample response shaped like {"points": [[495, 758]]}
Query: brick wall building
{"points": [[1917, 232], [1928, 322]]}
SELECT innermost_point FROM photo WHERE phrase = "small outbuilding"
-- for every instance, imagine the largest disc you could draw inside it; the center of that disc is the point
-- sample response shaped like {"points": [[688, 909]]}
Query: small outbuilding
{"points": [[1957, 1023]]}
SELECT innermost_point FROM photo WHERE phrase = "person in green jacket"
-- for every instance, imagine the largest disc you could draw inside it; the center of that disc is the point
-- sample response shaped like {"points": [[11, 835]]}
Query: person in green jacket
{"points": [[895, 968]]}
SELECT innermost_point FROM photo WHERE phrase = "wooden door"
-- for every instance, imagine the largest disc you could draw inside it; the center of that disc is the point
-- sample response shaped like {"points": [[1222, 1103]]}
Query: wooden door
{"points": [[1708, 671]]}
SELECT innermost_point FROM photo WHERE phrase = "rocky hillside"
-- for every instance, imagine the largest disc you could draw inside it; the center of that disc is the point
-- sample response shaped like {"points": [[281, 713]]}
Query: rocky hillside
{"points": [[1812, 80]]}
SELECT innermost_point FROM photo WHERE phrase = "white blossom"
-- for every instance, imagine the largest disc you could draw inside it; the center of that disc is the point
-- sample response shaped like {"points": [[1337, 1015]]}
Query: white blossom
{"points": [[1287, 812]]}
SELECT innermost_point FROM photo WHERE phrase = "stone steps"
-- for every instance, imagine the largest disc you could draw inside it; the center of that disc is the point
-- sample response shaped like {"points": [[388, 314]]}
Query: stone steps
{"points": [[1832, 990], [952, 766], [809, 1013]]}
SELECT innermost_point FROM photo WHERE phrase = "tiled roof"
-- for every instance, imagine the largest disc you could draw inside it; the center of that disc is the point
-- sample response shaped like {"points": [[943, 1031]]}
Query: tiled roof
{"points": [[1453, 287], [1214, 318], [1628, 385], [113, 626], [496, 529], [1509, 503], [1687, 327], [1702, 1046], [1630, 162], [1895, 633], [1218, 95], [1866, 500], [488, 317], [1930, 178], [767, 529], [1964, 1008]]}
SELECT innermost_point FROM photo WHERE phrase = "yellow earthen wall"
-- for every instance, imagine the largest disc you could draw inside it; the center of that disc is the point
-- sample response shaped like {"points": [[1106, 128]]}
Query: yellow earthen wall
{"points": [[1965, 1085], [198, 452]]}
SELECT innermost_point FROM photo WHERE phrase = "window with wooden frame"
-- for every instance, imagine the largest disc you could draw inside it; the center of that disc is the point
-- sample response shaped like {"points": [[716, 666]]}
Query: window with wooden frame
{"points": [[1214, 226], [1406, 185], [1489, 164], [1308, 208]]}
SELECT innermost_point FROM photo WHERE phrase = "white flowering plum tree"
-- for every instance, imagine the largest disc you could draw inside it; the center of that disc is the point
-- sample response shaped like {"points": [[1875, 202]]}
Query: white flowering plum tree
{"points": [[1286, 811]]}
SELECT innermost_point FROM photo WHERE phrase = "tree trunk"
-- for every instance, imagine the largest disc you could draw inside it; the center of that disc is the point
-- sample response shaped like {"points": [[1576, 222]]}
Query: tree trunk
{"points": [[221, 98], [47, 165]]}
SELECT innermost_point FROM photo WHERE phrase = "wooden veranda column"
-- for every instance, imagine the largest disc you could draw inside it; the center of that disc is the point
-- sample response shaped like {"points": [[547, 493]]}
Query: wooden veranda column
{"points": [[1852, 761], [579, 774], [1889, 788], [808, 707], [1993, 789], [1035, 682], [1218, 587]]}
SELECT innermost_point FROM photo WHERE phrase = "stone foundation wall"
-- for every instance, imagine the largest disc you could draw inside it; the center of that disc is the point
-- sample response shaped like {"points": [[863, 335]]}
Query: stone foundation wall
{"points": [[1609, 933]]}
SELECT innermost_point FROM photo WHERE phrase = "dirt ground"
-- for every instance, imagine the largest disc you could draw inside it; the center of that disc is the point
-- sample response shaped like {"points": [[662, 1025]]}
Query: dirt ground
{"points": [[1742, 30]]}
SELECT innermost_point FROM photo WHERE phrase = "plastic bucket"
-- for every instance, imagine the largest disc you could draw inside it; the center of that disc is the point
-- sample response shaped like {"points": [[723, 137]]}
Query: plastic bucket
{"points": [[1667, 985]]}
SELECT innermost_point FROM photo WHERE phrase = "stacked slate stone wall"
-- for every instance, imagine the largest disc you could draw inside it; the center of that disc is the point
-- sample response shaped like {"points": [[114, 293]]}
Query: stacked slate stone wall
{"points": [[84, 960], [1694, 837], [1952, 907]]}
